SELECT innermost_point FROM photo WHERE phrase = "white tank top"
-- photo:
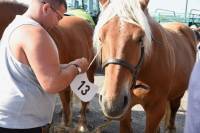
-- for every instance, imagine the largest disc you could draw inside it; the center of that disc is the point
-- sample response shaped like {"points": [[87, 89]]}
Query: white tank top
{"points": [[23, 103]]}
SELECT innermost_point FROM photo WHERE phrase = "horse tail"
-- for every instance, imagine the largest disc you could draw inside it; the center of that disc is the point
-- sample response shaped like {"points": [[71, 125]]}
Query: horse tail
{"points": [[167, 115], [197, 34], [189, 33]]}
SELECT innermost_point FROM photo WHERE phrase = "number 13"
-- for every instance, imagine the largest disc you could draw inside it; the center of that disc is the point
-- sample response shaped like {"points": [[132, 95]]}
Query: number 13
{"points": [[84, 91]]}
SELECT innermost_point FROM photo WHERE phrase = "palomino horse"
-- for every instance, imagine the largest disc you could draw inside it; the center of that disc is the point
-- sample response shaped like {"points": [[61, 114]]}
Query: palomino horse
{"points": [[73, 37], [144, 63]]}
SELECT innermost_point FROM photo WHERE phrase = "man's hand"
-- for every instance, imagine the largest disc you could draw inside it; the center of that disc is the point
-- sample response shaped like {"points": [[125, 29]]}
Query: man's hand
{"points": [[82, 63]]}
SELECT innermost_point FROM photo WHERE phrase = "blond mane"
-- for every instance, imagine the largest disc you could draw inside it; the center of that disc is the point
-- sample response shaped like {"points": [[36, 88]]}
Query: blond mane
{"points": [[129, 11]]}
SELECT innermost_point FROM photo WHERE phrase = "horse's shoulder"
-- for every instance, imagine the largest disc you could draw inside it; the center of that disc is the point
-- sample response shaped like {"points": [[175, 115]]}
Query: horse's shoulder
{"points": [[72, 32]]}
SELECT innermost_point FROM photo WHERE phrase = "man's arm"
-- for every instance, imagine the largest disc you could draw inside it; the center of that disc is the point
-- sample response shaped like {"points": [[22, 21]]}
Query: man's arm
{"points": [[42, 55]]}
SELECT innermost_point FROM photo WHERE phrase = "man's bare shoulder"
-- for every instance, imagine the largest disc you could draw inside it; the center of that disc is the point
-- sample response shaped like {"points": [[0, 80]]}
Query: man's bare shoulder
{"points": [[32, 36], [31, 32], [31, 41]]}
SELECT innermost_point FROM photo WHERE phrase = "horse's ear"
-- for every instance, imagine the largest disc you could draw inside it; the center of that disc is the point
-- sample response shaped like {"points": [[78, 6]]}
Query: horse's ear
{"points": [[104, 3], [144, 4]]}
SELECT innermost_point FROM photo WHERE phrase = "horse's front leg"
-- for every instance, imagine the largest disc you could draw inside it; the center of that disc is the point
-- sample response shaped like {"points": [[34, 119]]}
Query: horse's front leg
{"points": [[82, 123], [125, 123], [154, 114], [65, 97]]}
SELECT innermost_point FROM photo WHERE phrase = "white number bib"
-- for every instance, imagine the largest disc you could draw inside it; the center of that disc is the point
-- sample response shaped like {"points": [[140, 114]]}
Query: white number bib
{"points": [[83, 88]]}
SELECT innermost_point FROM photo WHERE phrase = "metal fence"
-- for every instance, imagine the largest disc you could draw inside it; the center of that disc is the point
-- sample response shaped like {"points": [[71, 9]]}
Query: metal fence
{"points": [[164, 16]]}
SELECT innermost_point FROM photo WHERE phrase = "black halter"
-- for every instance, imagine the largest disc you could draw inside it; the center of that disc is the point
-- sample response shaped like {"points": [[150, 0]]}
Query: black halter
{"points": [[133, 69]]}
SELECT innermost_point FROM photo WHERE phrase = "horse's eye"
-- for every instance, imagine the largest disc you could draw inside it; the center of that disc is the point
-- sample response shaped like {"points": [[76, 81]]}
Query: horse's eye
{"points": [[140, 41], [101, 36]]}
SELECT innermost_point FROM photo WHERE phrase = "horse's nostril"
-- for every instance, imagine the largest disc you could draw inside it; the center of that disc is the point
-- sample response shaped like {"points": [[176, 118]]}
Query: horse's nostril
{"points": [[100, 98], [125, 100]]}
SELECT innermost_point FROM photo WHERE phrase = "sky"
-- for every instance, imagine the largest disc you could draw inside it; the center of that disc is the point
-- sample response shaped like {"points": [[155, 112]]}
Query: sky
{"points": [[174, 5]]}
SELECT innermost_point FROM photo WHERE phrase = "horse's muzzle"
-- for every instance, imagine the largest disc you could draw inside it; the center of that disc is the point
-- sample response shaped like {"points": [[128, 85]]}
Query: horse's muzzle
{"points": [[114, 108]]}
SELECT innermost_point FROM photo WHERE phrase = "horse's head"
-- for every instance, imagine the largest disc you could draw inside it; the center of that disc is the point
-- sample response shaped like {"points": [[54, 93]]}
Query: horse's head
{"points": [[124, 34]]}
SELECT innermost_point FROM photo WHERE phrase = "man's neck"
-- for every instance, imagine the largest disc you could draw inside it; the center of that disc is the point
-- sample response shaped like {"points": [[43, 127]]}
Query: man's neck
{"points": [[35, 16]]}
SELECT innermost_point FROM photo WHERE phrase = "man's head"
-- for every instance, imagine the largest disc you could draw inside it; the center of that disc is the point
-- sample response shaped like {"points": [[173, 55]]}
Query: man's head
{"points": [[47, 12], [56, 3]]}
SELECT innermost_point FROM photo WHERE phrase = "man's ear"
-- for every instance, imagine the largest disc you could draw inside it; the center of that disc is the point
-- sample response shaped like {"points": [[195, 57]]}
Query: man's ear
{"points": [[144, 4], [104, 3], [46, 8], [141, 89]]}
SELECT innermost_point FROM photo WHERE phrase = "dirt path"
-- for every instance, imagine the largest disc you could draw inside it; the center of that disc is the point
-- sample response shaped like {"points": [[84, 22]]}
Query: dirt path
{"points": [[96, 118]]}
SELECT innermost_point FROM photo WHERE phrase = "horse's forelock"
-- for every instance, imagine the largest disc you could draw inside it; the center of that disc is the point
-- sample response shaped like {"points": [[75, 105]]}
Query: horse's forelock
{"points": [[131, 12]]}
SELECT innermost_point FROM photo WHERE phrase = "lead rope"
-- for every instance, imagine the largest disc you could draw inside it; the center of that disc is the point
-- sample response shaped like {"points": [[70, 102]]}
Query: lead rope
{"points": [[95, 57], [108, 122], [102, 126]]}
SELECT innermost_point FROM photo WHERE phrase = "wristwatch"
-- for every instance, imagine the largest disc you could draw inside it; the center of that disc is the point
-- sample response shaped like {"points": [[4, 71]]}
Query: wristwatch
{"points": [[78, 68]]}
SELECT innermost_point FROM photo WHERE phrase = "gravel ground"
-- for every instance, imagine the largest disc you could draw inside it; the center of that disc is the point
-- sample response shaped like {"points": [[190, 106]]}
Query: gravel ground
{"points": [[95, 117]]}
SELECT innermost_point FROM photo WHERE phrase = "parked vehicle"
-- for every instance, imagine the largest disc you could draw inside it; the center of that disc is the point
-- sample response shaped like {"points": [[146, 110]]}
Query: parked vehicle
{"points": [[86, 9]]}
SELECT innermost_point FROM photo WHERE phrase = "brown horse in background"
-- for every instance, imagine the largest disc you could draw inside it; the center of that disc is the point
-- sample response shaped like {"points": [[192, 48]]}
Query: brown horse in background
{"points": [[144, 63], [8, 12], [73, 37]]}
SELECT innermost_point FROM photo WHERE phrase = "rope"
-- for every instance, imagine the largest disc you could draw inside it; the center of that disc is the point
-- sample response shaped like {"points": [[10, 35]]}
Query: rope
{"points": [[102, 126], [95, 57]]}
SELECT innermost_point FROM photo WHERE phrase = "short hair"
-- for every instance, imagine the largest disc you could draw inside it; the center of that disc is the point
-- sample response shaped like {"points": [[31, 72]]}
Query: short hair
{"points": [[56, 3]]}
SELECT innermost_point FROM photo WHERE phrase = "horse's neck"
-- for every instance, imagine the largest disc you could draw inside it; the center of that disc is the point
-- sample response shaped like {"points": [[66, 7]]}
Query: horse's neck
{"points": [[156, 30], [159, 40]]}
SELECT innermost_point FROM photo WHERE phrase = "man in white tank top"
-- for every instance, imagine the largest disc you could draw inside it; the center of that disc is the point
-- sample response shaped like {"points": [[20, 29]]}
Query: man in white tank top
{"points": [[30, 77]]}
